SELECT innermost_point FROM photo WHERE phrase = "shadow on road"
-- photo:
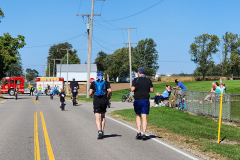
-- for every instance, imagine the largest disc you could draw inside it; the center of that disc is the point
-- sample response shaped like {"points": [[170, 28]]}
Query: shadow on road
{"points": [[112, 135]]}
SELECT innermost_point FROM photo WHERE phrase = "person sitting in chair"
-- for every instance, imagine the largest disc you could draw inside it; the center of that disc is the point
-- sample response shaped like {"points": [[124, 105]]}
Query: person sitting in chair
{"points": [[163, 96]]}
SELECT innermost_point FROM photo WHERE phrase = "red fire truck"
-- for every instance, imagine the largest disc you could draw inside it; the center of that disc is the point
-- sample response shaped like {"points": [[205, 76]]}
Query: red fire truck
{"points": [[8, 85]]}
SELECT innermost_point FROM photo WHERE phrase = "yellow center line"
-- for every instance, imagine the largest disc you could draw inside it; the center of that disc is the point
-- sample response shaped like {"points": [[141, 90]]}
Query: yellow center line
{"points": [[37, 101], [36, 142], [33, 100], [48, 144]]}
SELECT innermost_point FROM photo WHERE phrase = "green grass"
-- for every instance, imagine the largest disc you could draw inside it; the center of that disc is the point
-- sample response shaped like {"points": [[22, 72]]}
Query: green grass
{"points": [[196, 127], [232, 87]]}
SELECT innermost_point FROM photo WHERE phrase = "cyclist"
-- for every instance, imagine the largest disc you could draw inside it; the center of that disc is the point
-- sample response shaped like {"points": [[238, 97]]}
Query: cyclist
{"points": [[62, 97], [55, 90], [74, 84], [51, 92], [74, 93], [16, 92]]}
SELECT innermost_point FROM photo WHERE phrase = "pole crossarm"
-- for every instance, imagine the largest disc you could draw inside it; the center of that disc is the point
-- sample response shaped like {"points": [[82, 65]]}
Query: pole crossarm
{"points": [[127, 28]]}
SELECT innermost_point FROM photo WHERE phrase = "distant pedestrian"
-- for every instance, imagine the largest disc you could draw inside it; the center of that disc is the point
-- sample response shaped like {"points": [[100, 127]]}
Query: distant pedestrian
{"points": [[141, 87], [180, 85], [31, 89], [102, 90]]}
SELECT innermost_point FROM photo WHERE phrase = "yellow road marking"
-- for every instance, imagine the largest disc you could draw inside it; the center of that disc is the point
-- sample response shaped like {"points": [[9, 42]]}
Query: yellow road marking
{"points": [[37, 101], [48, 144], [33, 100], [36, 142]]}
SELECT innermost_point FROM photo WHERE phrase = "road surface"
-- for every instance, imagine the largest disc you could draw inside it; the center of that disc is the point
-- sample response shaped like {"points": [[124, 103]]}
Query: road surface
{"points": [[32, 129]]}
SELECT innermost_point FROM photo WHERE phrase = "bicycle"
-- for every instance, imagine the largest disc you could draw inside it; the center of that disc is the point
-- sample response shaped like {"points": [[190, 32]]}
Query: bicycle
{"points": [[181, 104], [63, 106], [124, 97], [74, 101]]}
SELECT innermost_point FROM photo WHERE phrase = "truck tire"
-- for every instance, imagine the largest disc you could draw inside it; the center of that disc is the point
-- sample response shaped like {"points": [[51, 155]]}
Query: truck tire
{"points": [[11, 92]]}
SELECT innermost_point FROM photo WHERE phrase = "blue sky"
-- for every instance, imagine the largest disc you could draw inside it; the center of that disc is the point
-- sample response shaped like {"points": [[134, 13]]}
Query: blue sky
{"points": [[172, 24]]}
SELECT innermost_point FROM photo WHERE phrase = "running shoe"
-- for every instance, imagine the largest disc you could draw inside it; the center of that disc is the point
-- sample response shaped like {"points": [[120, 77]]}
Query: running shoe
{"points": [[100, 135], [138, 135], [144, 137]]}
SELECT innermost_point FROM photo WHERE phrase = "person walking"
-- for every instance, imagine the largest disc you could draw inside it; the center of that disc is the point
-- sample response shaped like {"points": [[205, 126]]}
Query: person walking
{"points": [[31, 89], [74, 89], [40, 89], [141, 86], [102, 91]]}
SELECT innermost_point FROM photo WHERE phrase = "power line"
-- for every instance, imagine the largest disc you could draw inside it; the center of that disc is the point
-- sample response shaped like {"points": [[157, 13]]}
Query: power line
{"points": [[102, 46], [106, 42], [79, 6], [111, 24], [103, 26], [102, 7], [135, 13], [55, 43], [177, 61]]}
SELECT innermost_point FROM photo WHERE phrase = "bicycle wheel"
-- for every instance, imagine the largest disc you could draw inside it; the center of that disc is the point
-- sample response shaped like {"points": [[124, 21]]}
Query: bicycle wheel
{"points": [[124, 98], [130, 100]]}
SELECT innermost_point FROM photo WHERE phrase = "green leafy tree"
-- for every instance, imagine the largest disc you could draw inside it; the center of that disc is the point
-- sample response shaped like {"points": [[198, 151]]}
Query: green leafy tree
{"points": [[72, 58], [231, 46], [145, 55], [15, 69], [1, 14], [9, 51], [100, 61], [202, 50], [31, 73], [56, 52], [117, 64]]}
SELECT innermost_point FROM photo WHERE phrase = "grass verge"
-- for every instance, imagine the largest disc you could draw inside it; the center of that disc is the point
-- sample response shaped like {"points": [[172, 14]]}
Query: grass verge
{"points": [[199, 131]]}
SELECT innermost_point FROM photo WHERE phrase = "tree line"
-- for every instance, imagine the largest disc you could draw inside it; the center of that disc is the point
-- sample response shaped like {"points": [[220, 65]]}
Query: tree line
{"points": [[117, 64], [228, 49]]}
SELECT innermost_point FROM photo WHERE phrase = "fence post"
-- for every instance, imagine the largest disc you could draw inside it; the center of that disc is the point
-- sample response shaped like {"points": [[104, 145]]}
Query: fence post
{"points": [[230, 101], [215, 107], [203, 104]]}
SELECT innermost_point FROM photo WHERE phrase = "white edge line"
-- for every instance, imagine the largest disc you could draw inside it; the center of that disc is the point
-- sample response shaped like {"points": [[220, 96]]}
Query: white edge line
{"points": [[156, 140]]}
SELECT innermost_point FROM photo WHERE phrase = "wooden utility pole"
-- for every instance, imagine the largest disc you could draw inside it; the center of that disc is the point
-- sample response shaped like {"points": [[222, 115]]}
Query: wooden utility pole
{"points": [[130, 50], [89, 49], [67, 49], [54, 66]]}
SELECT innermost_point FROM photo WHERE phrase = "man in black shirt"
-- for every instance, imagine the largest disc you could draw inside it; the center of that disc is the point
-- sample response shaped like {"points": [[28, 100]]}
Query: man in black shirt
{"points": [[102, 91], [74, 89], [141, 87]]}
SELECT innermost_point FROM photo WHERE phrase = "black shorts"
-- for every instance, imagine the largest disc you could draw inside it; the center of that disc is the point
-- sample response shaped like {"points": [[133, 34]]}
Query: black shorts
{"points": [[75, 94], [62, 100], [100, 108]]}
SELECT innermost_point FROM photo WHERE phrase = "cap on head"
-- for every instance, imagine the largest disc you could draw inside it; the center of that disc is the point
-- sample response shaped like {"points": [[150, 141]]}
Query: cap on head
{"points": [[100, 75], [141, 70]]}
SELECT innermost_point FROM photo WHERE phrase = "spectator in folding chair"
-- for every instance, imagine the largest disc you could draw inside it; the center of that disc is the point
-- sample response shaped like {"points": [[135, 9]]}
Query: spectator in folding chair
{"points": [[223, 87], [162, 97]]}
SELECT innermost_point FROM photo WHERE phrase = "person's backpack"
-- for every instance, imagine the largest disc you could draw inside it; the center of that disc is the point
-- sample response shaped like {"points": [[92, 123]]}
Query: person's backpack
{"points": [[100, 87]]}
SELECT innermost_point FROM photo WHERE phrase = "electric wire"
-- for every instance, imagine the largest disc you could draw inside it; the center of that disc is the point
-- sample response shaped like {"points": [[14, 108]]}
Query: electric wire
{"points": [[79, 6], [55, 43], [102, 46], [105, 26], [102, 7], [136, 13], [106, 42]]}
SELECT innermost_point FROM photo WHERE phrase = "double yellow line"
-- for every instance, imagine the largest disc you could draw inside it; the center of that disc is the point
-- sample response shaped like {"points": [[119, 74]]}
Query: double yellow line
{"points": [[47, 141], [35, 101]]}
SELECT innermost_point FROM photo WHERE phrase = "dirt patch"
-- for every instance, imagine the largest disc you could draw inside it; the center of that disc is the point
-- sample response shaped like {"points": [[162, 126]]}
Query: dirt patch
{"points": [[184, 142], [120, 86]]}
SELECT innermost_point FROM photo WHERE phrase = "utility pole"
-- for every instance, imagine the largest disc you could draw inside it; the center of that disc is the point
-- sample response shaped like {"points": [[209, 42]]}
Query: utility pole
{"points": [[89, 41], [130, 50], [54, 66], [67, 66], [49, 70]]}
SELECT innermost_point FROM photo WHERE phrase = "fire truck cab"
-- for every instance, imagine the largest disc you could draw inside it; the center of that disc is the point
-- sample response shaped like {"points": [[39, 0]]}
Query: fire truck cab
{"points": [[8, 85]]}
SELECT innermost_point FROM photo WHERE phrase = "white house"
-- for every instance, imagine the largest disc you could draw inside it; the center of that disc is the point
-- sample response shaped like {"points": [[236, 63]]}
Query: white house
{"points": [[78, 71], [157, 75]]}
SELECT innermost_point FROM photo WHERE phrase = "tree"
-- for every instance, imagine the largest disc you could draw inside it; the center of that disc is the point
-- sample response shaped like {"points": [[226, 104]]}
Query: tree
{"points": [[56, 52], [9, 51], [1, 13], [231, 44], [72, 58], [117, 64], [31, 73], [100, 61], [202, 50], [15, 69]]}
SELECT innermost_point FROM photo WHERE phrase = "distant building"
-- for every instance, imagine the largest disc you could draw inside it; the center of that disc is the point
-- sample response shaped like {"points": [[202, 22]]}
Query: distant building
{"points": [[168, 74], [127, 79], [78, 71], [157, 75]]}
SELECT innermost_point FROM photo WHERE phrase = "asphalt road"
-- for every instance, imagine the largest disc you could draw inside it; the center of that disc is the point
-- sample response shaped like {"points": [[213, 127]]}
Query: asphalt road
{"points": [[71, 134]]}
